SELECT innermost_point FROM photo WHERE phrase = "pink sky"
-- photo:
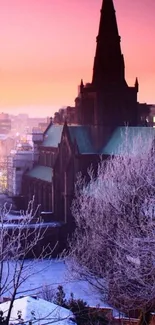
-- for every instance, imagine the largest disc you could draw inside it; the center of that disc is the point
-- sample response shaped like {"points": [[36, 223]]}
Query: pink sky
{"points": [[47, 46]]}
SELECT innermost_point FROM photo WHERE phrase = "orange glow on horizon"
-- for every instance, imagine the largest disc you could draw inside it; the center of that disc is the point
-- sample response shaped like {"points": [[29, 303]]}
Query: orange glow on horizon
{"points": [[48, 46]]}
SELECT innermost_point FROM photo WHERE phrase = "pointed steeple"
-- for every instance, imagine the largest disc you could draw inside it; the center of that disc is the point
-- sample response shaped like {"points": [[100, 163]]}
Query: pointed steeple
{"points": [[81, 83], [109, 61], [137, 84], [81, 86]]}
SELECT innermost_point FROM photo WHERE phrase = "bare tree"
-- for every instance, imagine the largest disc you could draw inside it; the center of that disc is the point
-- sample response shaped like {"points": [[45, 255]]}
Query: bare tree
{"points": [[20, 239], [113, 246], [48, 293]]}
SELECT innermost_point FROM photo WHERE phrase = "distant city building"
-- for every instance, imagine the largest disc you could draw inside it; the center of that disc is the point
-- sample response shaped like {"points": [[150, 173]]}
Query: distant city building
{"points": [[22, 124], [6, 145], [18, 162], [16, 149], [5, 123], [43, 126]]}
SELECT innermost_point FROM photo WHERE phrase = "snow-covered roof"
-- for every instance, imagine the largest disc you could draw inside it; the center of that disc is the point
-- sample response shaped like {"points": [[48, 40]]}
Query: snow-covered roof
{"points": [[53, 273], [38, 311], [14, 224], [12, 220]]}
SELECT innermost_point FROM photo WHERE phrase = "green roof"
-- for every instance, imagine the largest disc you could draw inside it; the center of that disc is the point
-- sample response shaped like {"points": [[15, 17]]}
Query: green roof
{"points": [[82, 135], [115, 145], [41, 172], [52, 136]]}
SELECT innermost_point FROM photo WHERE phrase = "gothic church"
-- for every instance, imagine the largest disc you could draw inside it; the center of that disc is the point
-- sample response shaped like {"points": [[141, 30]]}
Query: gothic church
{"points": [[102, 109]]}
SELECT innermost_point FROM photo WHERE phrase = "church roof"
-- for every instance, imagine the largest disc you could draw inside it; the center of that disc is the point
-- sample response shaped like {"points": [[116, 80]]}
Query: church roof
{"points": [[82, 135], [52, 136], [115, 145], [43, 173]]}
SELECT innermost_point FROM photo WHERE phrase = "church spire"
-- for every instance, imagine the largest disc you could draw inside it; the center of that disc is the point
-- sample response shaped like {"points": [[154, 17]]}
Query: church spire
{"points": [[137, 84], [109, 61], [81, 86]]}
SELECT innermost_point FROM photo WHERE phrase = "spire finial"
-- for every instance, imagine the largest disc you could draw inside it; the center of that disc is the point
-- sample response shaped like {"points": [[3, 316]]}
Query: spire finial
{"points": [[137, 84], [81, 86]]}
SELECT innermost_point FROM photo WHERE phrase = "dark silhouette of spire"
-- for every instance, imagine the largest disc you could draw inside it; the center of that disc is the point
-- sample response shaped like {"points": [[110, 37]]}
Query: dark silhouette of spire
{"points": [[109, 61], [81, 86], [137, 84]]}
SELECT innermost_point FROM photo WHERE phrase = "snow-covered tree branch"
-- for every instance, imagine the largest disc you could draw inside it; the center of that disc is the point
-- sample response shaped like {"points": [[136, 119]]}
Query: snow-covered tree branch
{"points": [[19, 240], [114, 243]]}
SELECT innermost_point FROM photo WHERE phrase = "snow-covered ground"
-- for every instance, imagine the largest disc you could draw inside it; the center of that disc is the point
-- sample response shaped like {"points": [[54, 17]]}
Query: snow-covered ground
{"points": [[54, 273]]}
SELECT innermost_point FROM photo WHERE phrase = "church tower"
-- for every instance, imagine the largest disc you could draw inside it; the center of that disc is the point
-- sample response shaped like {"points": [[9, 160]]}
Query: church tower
{"points": [[108, 100], [109, 62]]}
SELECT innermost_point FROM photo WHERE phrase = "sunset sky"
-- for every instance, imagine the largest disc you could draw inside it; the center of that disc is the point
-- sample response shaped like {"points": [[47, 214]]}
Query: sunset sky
{"points": [[47, 46]]}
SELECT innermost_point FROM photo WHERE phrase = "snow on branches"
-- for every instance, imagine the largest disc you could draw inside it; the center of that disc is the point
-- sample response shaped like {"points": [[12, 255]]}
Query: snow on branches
{"points": [[114, 243], [20, 239]]}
